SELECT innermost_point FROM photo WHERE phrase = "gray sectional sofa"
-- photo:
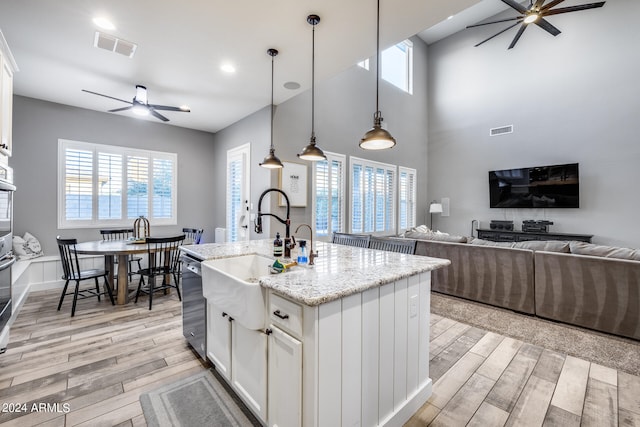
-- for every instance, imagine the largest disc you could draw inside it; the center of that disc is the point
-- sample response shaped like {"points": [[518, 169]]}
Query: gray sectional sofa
{"points": [[583, 284]]}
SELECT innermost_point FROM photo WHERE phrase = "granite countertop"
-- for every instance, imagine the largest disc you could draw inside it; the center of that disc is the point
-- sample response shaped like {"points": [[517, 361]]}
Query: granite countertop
{"points": [[338, 271]]}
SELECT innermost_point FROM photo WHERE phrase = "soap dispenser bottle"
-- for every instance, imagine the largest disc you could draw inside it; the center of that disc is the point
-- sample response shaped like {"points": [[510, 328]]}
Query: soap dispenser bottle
{"points": [[277, 246], [303, 258]]}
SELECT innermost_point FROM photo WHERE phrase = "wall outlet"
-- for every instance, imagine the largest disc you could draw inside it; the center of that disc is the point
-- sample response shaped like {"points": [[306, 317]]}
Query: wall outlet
{"points": [[413, 306]]}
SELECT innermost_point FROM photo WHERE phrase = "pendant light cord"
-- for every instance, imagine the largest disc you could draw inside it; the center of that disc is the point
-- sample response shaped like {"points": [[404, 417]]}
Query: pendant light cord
{"points": [[272, 58], [377, 113], [313, 79]]}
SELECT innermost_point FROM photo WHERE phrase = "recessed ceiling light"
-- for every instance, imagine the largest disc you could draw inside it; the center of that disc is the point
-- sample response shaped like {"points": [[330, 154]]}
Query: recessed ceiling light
{"points": [[292, 85], [104, 23], [185, 108], [228, 68]]}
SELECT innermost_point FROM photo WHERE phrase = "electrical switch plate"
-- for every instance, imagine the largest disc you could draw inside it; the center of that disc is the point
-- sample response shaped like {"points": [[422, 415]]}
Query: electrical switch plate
{"points": [[413, 306]]}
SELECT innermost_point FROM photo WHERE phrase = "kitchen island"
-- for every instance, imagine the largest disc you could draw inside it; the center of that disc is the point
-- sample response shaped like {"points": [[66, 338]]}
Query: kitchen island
{"points": [[344, 342]]}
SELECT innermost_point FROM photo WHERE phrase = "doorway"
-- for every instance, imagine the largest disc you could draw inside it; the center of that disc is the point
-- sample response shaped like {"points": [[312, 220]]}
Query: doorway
{"points": [[238, 193]]}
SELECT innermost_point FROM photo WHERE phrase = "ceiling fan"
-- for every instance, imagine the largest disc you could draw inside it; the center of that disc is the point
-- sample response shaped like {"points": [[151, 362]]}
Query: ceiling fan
{"points": [[535, 14], [140, 106]]}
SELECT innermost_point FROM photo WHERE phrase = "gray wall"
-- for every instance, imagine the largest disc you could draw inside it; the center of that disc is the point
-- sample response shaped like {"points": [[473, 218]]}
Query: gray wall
{"points": [[36, 129], [572, 98], [343, 113], [253, 129]]}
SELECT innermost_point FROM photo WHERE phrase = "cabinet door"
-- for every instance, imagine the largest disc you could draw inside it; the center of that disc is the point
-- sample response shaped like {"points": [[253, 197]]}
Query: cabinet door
{"points": [[219, 340], [6, 119], [285, 380], [249, 367]]}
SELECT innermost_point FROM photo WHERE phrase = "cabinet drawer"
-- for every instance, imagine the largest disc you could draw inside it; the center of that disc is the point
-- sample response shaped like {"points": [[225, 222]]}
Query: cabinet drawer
{"points": [[286, 314]]}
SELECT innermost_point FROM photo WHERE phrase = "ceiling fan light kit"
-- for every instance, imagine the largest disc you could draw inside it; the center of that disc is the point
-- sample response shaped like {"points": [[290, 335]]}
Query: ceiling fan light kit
{"points": [[377, 138], [311, 151], [534, 14], [140, 105]]}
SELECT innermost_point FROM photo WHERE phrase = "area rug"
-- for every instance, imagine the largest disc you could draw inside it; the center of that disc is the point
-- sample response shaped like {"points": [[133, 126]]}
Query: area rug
{"points": [[615, 352], [196, 401]]}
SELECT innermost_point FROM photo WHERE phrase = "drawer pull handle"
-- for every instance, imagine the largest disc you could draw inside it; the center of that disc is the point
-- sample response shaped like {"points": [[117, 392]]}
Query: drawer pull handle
{"points": [[281, 316], [268, 331], [224, 314]]}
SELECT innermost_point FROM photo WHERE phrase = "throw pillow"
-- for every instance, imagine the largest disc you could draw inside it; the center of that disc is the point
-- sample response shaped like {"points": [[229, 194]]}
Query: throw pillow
{"points": [[27, 247]]}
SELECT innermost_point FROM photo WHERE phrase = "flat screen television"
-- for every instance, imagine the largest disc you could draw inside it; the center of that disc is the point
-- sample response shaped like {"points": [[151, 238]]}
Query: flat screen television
{"points": [[554, 186]]}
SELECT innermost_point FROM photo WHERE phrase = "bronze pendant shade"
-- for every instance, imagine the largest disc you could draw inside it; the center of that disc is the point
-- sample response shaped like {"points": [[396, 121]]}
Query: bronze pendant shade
{"points": [[271, 161], [377, 138], [312, 152]]}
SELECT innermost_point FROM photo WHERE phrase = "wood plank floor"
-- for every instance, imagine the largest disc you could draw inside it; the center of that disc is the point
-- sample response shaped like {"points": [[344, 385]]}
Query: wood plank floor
{"points": [[92, 369]]}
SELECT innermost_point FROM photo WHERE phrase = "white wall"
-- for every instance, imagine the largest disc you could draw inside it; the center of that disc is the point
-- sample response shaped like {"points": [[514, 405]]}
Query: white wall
{"points": [[572, 98], [38, 125]]}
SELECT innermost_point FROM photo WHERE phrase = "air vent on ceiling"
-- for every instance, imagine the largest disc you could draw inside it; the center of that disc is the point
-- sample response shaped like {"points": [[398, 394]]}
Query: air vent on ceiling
{"points": [[501, 130], [114, 44]]}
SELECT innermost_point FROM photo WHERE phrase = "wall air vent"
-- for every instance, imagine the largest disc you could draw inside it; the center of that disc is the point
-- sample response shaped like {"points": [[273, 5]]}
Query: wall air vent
{"points": [[502, 130], [114, 44]]}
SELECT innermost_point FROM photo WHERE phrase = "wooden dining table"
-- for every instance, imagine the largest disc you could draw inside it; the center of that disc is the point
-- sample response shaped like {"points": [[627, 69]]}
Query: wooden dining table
{"points": [[111, 249]]}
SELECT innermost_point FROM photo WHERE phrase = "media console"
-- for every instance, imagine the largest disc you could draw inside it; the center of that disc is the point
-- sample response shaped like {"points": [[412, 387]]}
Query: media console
{"points": [[521, 236]]}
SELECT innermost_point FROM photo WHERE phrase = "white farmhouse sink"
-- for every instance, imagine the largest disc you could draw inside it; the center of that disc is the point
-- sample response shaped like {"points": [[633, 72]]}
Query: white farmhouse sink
{"points": [[231, 284]]}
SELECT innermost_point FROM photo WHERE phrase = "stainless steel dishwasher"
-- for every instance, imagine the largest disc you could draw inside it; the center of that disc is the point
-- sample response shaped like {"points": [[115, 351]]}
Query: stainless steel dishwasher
{"points": [[194, 307]]}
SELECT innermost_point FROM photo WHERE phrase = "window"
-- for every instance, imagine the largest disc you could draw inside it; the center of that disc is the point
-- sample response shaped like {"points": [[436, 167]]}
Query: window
{"points": [[397, 65], [104, 186], [328, 191], [406, 198], [372, 197]]}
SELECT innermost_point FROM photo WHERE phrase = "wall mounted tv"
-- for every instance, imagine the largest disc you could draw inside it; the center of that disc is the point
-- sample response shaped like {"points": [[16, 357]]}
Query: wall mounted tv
{"points": [[554, 186]]}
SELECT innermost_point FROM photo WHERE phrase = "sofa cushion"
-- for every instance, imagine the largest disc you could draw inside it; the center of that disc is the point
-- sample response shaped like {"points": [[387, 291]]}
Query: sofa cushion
{"points": [[434, 235], [482, 242], [583, 248], [544, 245]]}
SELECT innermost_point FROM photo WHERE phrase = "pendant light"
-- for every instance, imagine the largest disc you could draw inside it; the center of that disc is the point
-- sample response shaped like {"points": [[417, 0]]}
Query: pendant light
{"points": [[377, 138], [271, 161], [312, 151]]}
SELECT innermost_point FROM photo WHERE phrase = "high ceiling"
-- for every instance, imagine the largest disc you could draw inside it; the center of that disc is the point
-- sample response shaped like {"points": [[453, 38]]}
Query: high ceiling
{"points": [[182, 44]]}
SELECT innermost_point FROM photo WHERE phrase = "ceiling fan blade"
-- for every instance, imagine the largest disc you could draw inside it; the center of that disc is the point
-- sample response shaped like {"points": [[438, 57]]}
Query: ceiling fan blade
{"points": [[497, 34], [168, 108], [157, 115], [120, 109], [546, 25], [495, 22], [538, 4], [106, 96], [550, 5], [517, 6], [517, 37], [573, 8]]}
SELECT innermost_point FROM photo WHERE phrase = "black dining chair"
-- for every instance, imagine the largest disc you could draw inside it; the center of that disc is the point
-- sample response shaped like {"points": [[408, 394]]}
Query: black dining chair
{"points": [[193, 235], [71, 269], [358, 240], [163, 255], [122, 234]]}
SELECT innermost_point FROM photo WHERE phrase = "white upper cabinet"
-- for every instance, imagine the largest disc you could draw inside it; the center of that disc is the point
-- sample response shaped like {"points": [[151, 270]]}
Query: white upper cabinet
{"points": [[9, 67]]}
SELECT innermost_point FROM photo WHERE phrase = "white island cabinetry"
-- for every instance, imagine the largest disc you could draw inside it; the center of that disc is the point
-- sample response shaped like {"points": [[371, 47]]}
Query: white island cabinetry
{"points": [[347, 341], [240, 356]]}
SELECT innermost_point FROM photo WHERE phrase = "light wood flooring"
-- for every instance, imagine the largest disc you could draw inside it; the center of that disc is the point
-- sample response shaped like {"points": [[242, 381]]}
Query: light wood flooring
{"points": [[101, 361]]}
